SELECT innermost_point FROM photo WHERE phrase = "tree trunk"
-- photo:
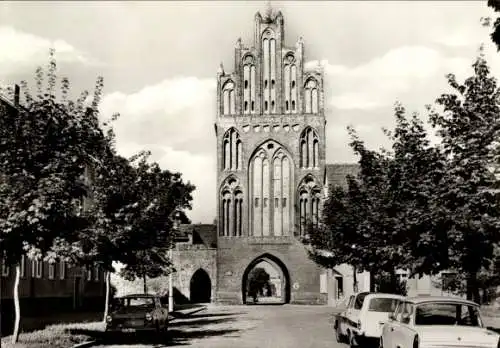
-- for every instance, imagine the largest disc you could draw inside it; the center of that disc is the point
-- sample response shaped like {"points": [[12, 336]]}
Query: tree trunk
{"points": [[145, 284], [17, 308], [106, 302], [372, 281], [355, 280], [472, 287]]}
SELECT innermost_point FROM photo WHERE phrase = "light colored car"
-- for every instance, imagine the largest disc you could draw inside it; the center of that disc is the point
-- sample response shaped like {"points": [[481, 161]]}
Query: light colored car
{"points": [[141, 312], [362, 321], [436, 322]]}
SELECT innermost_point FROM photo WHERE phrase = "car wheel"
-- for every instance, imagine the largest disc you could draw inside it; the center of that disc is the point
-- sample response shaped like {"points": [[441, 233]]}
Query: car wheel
{"points": [[352, 341], [338, 334]]}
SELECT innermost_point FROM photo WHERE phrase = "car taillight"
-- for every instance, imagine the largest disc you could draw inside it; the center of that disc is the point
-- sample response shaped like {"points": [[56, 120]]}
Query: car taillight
{"points": [[148, 317], [109, 319], [416, 342]]}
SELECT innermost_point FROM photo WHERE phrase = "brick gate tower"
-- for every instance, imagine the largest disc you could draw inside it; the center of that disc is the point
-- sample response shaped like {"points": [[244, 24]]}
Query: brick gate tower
{"points": [[270, 131]]}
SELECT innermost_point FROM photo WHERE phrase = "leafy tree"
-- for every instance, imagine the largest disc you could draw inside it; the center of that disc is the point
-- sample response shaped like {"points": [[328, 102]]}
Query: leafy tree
{"points": [[257, 280], [159, 195], [45, 146], [469, 125], [380, 221], [495, 34]]}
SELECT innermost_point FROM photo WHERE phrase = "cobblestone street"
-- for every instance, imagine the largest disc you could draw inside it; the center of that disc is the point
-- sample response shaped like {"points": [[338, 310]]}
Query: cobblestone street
{"points": [[249, 327]]}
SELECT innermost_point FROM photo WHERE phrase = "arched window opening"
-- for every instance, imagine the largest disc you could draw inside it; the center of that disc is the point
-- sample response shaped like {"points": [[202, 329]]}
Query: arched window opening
{"points": [[293, 105], [228, 106], [270, 178], [253, 106], [265, 84], [232, 150], [265, 106], [286, 105], [309, 148], [231, 208], [309, 196], [311, 96], [249, 82]]}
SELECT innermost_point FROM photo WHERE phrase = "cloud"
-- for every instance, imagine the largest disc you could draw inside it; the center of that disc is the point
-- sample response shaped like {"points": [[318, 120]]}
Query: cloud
{"points": [[387, 78], [174, 120], [177, 112], [23, 50]]}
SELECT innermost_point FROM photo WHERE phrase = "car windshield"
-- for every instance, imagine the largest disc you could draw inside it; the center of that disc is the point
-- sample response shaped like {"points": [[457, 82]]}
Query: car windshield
{"points": [[446, 313], [383, 304], [135, 302]]}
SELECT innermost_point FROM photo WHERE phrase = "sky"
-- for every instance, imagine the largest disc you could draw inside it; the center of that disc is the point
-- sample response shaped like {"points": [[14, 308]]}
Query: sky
{"points": [[159, 62]]}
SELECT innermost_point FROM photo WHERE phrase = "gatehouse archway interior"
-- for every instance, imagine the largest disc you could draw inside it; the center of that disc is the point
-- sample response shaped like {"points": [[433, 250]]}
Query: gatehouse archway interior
{"points": [[200, 287], [266, 281]]}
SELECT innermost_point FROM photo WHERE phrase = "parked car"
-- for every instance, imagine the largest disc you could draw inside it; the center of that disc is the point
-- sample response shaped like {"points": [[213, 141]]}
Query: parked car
{"points": [[425, 322], [138, 312], [366, 312]]}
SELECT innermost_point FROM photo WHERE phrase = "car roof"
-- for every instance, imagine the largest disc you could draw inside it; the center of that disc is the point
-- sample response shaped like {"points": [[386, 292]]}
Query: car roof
{"points": [[379, 294], [427, 299], [138, 295]]}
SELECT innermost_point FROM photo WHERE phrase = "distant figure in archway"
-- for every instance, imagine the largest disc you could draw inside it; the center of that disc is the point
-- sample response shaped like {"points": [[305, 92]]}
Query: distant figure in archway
{"points": [[266, 280], [200, 287]]}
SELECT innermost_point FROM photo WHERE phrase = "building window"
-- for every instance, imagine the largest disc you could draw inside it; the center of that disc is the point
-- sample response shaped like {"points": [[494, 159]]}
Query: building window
{"points": [[311, 96], [62, 270], [228, 99], [449, 281], [256, 202], [5, 269], [52, 270], [309, 202], [289, 76], [232, 150], [270, 178], [231, 208], [36, 268], [309, 148], [22, 266]]}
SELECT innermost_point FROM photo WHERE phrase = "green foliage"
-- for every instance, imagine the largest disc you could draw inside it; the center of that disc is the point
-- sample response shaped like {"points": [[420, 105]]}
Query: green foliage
{"points": [[423, 207], [44, 148]]}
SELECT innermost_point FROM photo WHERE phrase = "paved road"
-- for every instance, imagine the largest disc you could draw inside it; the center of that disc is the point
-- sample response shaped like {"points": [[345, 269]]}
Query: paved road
{"points": [[248, 327]]}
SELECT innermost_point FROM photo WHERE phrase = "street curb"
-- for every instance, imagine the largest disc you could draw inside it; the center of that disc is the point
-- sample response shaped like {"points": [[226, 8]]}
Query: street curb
{"points": [[85, 344]]}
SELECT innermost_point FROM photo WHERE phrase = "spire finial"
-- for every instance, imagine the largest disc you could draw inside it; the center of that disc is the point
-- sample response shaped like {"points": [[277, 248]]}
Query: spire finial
{"points": [[269, 9]]}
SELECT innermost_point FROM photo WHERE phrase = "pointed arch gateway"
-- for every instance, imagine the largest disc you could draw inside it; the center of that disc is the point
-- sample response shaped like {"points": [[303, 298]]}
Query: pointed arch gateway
{"points": [[200, 287], [270, 186], [276, 290]]}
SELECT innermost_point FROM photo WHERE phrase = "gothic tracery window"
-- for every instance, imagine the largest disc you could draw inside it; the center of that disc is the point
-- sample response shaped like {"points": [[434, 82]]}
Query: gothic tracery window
{"points": [[290, 76], [228, 98], [269, 71], [249, 85], [232, 150], [270, 178], [231, 208], [309, 197], [311, 96], [309, 148]]}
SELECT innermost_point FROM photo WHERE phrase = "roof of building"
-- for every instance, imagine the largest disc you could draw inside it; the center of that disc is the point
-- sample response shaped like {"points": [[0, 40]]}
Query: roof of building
{"points": [[448, 299], [336, 173], [205, 234]]}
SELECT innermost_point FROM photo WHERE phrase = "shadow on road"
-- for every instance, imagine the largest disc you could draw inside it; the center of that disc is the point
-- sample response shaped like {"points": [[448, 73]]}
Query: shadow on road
{"points": [[179, 334]]}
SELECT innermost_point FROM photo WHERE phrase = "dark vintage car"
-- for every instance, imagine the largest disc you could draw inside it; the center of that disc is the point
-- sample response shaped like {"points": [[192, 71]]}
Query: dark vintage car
{"points": [[138, 312]]}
